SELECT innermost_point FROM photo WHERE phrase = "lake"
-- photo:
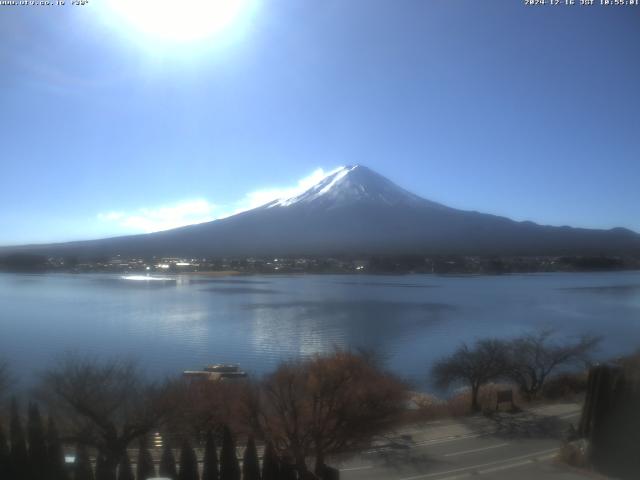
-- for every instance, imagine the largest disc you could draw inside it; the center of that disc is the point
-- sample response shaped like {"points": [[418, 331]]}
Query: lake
{"points": [[171, 324]]}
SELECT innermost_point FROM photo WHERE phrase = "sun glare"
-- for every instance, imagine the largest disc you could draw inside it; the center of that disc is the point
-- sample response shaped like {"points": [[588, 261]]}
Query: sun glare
{"points": [[179, 22]]}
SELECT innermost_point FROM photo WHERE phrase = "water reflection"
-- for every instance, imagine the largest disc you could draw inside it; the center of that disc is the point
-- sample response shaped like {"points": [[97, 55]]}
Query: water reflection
{"points": [[243, 281], [387, 284], [147, 278], [241, 290], [307, 327]]}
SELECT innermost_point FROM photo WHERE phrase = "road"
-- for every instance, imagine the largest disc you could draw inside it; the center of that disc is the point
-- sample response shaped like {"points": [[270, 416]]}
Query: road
{"points": [[503, 446]]}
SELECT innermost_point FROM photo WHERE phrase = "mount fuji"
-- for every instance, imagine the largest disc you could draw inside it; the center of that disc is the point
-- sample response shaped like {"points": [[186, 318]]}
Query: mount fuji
{"points": [[356, 211]]}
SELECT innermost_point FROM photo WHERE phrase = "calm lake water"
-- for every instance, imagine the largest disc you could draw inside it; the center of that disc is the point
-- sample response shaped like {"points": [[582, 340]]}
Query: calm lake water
{"points": [[186, 322]]}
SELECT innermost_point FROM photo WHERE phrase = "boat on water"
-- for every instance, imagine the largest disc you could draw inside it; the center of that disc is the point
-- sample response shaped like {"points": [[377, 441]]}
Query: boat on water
{"points": [[216, 372], [222, 368]]}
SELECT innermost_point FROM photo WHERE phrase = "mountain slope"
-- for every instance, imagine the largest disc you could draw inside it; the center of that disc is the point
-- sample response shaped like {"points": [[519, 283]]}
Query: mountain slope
{"points": [[355, 211]]}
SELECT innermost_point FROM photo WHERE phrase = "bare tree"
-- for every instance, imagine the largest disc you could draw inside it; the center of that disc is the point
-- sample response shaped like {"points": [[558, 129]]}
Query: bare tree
{"points": [[106, 405], [533, 357], [474, 366], [324, 405]]}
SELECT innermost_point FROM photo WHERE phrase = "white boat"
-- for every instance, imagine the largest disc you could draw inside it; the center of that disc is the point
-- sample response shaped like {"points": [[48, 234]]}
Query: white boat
{"points": [[216, 372], [222, 368]]}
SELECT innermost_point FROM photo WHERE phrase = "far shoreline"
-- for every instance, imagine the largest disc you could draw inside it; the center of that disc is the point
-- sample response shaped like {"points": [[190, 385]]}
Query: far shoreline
{"points": [[237, 273]]}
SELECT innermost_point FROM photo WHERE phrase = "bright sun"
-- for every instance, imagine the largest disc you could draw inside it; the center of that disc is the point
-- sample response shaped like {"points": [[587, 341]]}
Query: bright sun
{"points": [[180, 22]]}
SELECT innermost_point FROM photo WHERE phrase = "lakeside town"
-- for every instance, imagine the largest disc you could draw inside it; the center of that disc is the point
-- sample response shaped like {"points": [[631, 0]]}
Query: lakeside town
{"points": [[379, 264]]}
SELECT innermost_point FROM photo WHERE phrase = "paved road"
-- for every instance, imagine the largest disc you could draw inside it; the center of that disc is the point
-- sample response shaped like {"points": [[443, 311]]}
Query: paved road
{"points": [[506, 446]]}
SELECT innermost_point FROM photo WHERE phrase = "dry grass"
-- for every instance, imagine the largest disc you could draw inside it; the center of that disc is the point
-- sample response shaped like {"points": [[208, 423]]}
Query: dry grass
{"points": [[566, 387], [430, 407]]}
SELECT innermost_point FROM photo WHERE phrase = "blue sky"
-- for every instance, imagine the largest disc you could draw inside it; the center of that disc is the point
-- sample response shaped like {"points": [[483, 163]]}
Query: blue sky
{"points": [[111, 128]]}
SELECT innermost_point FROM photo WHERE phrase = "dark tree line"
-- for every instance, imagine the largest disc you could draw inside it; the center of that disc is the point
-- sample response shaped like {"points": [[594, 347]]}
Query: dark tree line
{"points": [[32, 455], [42, 458]]}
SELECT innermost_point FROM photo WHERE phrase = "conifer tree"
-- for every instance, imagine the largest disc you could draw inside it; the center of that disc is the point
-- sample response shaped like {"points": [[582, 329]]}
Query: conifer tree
{"points": [[37, 444], [125, 472], [4, 454], [287, 471], [188, 463], [56, 469], [229, 467], [102, 471], [19, 459], [210, 467], [168, 463], [145, 468], [82, 468], [250, 464], [270, 465]]}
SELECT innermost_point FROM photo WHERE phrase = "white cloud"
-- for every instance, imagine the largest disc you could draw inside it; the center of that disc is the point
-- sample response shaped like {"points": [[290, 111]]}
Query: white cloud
{"points": [[162, 218], [189, 212], [260, 197]]}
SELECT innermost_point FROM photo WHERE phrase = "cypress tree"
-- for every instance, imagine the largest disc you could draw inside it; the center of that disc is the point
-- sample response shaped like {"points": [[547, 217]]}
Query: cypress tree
{"points": [[82, 468], [210, 467], [37, 444], [125, 472], [19, 460], [4, 454], [56, 469], [168, 463], [287, 471], [188, 463], [250, 464], [229, 467], [270, 466], [102, 472], [145, 468]]}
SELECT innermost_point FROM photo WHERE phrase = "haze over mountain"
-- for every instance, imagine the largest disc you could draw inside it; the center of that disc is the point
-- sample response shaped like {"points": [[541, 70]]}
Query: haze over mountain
{"points": [[355, 211]]}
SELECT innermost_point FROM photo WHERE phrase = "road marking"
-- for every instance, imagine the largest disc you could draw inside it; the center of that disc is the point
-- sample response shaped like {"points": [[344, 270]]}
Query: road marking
{"points": [[464, 452], [488, 464], [569, 415], [505, 467], [351, 469], [438, 441], [457, 477]]}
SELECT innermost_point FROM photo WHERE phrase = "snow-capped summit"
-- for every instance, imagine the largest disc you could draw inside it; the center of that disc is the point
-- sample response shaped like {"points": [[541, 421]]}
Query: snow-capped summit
{"points": [[352, 184]]}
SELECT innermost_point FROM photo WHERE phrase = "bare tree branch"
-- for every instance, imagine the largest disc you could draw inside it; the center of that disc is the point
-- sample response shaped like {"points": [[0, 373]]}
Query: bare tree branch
{"points": [[474, 366], [326, 404], [105, 405], [534, 357]]}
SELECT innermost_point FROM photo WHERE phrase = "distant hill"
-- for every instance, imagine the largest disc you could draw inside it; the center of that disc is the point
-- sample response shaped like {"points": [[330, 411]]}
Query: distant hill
{"points": [[355, 211]]}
